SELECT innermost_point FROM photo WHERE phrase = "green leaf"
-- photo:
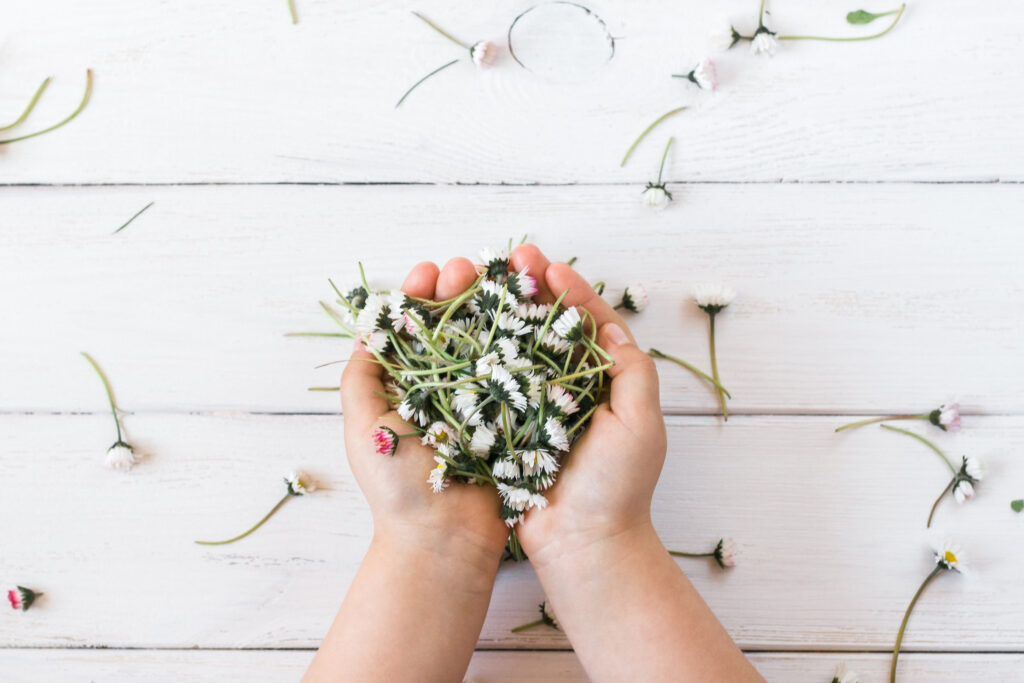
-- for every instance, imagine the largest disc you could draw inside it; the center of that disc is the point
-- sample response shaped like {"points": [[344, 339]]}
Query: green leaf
{"points": [[1017, 505], [863, 16]]}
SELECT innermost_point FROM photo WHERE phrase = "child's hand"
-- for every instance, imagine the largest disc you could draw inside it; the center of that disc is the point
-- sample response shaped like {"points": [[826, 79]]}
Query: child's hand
{"points": [[402, 503], [605, 487]]}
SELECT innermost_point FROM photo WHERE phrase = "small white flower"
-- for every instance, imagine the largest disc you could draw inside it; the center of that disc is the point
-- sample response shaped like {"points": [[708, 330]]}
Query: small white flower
{"points": [[505, 468], [437, 433], [555, 434], [538, 501], [974, 468], [518, 499], [552, 342], [569, 325], [949, 417], [705, 76], [121, 456], [510, 325], [508, 348], [487, 362], [376, 340], [535, 389], [963, 491], [466, 399], [635, 298], [522, 285], [723, 37], [505, 389], [379, 314], [655, 196], [299, 483], [562, 400], [482, 441], [713, 296], [538, 461], [483, 53], [408, 411], [437, 479], [764, 43], [495, 261], [534, 314], [843, 675], [725, 553], [948, 555]]}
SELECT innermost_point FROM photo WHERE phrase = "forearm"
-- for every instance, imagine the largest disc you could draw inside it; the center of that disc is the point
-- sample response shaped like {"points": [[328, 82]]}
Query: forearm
{"points": [[412, 613], [631, 614]]}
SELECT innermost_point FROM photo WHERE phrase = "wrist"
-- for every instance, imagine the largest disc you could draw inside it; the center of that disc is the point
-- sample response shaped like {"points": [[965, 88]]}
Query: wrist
{"points": [[579, 551], [453, 556]]}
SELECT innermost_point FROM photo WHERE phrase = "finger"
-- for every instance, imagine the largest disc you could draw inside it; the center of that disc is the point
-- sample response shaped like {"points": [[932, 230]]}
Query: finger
{"points": [[528, 257], [561, 277], [421, 281], [634, 396], [456, 277], [362, 391]]}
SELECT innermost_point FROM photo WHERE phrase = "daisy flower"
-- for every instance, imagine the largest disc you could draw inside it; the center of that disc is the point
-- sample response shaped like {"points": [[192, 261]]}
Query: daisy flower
{"points": [[561, 400], [504, 388], [505, 468], [946, 417], [547, 616], [120, 456], [385, 441], [482, 441], [297, 483], [521, 285], [495, 261], [724, 553], [438, 476], [634, 298], [843, 675], [703, 75], [764, 43], [21, 598], [712, 299], [655, 196], [723, 37], [569, 325], [514, 497], [554, 434], [483, 53], [948, 557]]}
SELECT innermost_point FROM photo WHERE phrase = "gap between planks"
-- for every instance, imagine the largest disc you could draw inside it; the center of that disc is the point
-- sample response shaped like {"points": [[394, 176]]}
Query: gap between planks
{"points": [[419, 183]]}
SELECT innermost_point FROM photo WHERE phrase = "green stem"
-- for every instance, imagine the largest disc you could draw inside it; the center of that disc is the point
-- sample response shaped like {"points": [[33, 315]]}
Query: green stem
{"points": [[873, 420], [664, 156], [30, 107], [850, 40], [323, 389], [906, 617], [571, 261], [583, 373], [440, 30], [110, 394], [532, 624], [254, 528], [925, 441], [692, 368], [760, 15], [938, 500], [139, 213], [76, 112], [291, 11], [417, 83], [648, 130], [318, 334], [678, 553], [508, 435], [515, 548], [714, 367]]}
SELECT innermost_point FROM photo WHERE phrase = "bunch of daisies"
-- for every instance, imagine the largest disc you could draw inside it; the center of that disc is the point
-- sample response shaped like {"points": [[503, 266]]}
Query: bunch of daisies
{"points": [[497, 385]]}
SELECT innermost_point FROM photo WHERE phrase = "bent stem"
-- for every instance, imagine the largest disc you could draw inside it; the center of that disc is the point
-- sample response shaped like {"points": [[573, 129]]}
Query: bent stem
{"points": [[517, 629], [664, 156], [906, 617], [76, 112], [873, 420], [692, 368], [679, 553], [30, 107], [925, 441], [254, 528], [946, 490], [648, 130], [440, 30], [291, 11], [110, 394], [891, 26], [714, 367], [417, 84]]}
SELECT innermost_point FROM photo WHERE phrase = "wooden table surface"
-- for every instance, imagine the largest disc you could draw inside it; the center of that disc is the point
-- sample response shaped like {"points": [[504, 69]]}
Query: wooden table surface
{"points": [[865, 199]]}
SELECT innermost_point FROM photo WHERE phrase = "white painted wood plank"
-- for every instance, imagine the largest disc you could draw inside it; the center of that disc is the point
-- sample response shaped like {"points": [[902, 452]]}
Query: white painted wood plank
{"points": [[231, 91], [830, 529], [201, 666], [853, 298]]}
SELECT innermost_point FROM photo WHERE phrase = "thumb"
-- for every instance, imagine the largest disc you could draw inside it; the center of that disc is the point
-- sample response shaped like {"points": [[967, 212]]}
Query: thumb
{"points": [[634, 396]]}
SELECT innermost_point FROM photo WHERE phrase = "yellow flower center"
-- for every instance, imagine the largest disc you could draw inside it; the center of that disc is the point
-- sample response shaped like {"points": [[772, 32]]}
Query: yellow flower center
{"points": [[440, 465], [950, 557]]}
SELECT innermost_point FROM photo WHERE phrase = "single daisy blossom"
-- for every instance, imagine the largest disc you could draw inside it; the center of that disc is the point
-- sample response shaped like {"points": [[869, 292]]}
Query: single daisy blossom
{"points": [[655, 196], [483, 53], [21, 598], [385, 441], [297, 483], [724, 37], [703, 75], [634, 298], [764, 43], [948, 557], [120, 456], [843, 675], [724, 553], [946, 417], [569, 326]]}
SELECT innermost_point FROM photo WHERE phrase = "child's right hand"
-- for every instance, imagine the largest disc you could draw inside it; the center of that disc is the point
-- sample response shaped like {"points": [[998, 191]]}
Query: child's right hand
{"points": [[605, 487]]}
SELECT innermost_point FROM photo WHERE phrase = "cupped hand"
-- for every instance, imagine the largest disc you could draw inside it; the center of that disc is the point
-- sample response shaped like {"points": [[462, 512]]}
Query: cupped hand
{"points": [[605, 486], [401, 501]]}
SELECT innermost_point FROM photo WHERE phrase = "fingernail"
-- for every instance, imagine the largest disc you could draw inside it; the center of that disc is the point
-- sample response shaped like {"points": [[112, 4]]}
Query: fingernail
{"points": [[615, 334]]}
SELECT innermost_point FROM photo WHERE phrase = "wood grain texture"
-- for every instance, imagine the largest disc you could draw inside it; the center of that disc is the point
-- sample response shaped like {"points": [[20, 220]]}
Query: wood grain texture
{"points": [[128, 666], [853, 298], [830, 529], [232, 91]]}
